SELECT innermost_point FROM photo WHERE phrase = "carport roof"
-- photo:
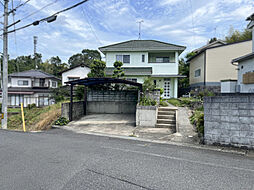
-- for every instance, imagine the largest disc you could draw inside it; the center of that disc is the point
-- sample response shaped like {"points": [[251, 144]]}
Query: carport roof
{"points": [[95, 81]]}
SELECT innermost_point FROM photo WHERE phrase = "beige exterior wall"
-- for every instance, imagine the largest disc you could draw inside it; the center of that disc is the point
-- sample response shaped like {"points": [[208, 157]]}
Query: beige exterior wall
{"points": [[218, 61], [197, 63]]}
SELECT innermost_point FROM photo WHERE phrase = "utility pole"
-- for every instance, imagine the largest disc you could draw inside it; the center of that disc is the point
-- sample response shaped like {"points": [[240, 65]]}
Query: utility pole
{"points": [[35, 45], [139, 29], [5, 66]]}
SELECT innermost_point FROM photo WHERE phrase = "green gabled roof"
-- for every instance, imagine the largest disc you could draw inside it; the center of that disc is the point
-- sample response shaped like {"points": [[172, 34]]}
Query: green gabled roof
{"points": [[142, 45]]}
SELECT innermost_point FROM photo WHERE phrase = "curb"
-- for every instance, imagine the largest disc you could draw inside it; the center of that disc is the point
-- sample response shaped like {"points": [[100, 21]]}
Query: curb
{"points": [[201, 147]]}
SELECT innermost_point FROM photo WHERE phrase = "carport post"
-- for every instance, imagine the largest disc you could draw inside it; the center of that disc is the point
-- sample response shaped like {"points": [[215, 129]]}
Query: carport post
{"points": [[71, 104], [85, 99]]}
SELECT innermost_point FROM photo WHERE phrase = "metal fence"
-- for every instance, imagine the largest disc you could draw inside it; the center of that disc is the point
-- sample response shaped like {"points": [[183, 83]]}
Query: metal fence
{"points": [[101, 96]]}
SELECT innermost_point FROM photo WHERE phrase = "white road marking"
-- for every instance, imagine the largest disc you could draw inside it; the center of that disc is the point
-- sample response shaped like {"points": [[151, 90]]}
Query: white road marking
{"points": [[181, 159]]}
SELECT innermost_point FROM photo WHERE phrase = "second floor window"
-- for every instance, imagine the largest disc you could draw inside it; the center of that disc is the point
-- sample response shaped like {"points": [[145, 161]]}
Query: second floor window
{"points": [[123, 58], [143, 58], [162, 59], [22, 82]]}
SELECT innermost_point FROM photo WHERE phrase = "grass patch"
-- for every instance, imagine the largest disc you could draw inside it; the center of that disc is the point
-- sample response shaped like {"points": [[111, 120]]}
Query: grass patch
{"points": [[174, 102], [14, 110], [184, 102], [36, 118]]}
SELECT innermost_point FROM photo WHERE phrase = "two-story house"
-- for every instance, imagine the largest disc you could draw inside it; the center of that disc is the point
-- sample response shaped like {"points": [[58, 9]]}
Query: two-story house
{"points": [[75, 73], [212, 63], [147, 58], [31, 87]]}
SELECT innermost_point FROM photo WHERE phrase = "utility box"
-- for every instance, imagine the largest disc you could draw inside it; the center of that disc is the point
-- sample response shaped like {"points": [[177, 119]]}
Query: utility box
{"points": [[228, 86]]}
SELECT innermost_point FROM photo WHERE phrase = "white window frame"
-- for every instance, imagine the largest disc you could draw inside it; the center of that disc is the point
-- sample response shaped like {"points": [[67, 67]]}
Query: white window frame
{"points": [[121, 58], [53, 83], [22, 82], [197, 73]]}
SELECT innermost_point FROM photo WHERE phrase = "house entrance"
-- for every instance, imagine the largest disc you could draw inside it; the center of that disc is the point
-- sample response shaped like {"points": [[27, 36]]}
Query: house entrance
{"points": [[167, 88]]}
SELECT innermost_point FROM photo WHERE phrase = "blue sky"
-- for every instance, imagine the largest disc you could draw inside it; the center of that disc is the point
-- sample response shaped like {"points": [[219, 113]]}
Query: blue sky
{"points": [[101, 22]]}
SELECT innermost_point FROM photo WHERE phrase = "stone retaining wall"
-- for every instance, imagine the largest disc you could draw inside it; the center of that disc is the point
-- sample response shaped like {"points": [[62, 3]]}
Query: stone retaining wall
{"points": [[229, 120], [77, 110]]}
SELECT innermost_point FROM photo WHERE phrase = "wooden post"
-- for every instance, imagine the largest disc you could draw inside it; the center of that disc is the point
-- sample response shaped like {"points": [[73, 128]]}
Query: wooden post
{"points": [[71, 104], [85, 99]]}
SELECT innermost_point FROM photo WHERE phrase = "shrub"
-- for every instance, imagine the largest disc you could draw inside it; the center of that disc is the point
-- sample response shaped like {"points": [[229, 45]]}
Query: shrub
{"points": [[145, 101], [31, 106], [62, 121], [163, 103], [197, 119]]}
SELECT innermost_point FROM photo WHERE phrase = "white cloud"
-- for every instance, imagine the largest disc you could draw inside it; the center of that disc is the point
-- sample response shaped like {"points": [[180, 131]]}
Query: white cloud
{"points": [[169, 2]]}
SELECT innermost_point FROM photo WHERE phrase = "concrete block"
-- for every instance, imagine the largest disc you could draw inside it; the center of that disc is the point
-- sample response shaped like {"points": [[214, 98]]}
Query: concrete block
{"points": [[244, 141], [224, 118], [251, 140], [248, 134], [244, 127], [251, 112], [244, 112], [243, 106], [240, 99], [215, 105], [224, 140], [245, 120], [207, 105], [234, 133], [234, 106], [235, 140], [233, 119], [225, 106]]}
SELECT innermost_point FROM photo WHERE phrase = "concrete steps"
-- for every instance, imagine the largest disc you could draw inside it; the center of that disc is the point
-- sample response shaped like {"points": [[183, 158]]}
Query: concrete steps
{"points": [[166, 118]]}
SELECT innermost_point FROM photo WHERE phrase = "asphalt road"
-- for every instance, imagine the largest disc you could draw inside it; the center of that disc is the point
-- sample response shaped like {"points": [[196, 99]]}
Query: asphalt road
{"points": [[60, 159]]}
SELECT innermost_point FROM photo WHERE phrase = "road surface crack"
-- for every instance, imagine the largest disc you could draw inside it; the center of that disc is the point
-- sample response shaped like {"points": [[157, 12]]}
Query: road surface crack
{"points": [[123, 180]]}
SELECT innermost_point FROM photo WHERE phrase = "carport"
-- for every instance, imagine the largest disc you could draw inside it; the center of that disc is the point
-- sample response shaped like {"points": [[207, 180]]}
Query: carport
{"points": [[94, 81]]}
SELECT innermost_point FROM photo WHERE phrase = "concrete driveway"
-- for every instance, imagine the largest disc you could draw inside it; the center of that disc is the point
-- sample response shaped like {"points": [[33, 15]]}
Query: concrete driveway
{"points": [[115, 124]]}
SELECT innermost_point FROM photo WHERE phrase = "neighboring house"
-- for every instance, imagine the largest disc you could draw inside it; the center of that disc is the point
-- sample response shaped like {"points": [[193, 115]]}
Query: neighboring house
{"points": [[31, 87], [245, 67], [211, 64], [143, 58], [74, 73]]}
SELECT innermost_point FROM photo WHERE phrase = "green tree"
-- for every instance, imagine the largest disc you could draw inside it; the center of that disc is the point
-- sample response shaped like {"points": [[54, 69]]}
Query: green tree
{"points": [[212, 40], [23, 63], [86, 56], [118, 71], [148, 84], [184, 68], [238, 36], [97, 69]]}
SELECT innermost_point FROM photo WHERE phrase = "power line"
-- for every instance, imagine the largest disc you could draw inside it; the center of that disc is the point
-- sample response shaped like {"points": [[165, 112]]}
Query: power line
{"points": [[49, 18], [1, 3], [91, 27], [35, 12], [20, 5]]}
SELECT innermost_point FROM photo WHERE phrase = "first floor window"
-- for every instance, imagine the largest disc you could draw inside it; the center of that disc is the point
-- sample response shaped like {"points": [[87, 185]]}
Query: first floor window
{"points": [[197, 73], [23, 82], [123, 58]]}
